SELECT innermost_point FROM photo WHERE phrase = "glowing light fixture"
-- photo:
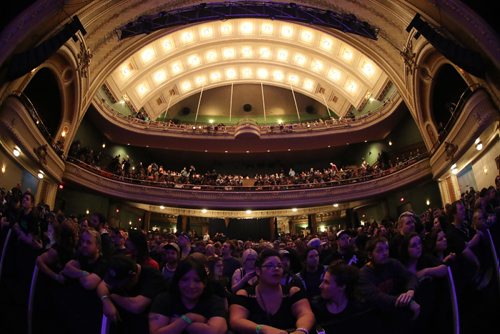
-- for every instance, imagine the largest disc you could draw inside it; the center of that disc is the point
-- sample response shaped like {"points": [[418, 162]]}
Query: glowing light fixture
{"points": [[267, 29], [326, 43], [194, 60], [231, 73], [177, 67], [278, 75], [142, 89], [147, 55], [294, 210], [306, 36], [186, 86], [206, 32], [168, 45], [299, 59], [215, 76], [160, 76], [479, 146], [428, 202], [246, 28], [287, 31], [248, 212], [211, 56], [347, 55], [226, 29], [204, 210], [40, 174], [16, 151], [351, 87], [336, 205], [265, 52], [126, 72], [200, 80], [246, 52], [293, 79], [308, 84], [368, 69], [246, 73], [282, 55], [334, 74], [262, 73], [162, 207], [317, 65], [228, 53], [187, 37]]}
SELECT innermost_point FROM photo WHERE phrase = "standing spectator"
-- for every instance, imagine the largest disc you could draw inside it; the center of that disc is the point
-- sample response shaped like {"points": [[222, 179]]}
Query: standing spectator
{"points": [[172, 256], [230, 262], [127, 292], [137, 246], [312, 274]]}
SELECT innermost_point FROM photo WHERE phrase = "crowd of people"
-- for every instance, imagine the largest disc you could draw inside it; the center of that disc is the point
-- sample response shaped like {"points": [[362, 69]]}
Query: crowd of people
{"points": [[383, 277], [189, 176]]}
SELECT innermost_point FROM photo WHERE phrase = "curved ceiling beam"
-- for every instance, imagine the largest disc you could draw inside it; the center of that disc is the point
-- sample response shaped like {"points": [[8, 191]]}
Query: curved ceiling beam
{"points": [[345, 22]]}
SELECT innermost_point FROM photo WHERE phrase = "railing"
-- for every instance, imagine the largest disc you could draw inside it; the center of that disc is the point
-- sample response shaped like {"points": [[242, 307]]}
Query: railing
{"points": [[250, 188], [265, 129], [38, 121], [457, 110]]}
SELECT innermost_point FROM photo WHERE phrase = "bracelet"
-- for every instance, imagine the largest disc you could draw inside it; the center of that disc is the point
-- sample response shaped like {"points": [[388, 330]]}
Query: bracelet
{"points": [[258, 329], [104, 297], [186, 319], [302, 329]]}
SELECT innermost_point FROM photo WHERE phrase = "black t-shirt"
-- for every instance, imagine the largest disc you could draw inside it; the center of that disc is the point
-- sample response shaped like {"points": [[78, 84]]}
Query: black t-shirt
{"points": [[150, 285], [98, 267], [230, 265], [282, 319], [169, 306], [355, 318]]}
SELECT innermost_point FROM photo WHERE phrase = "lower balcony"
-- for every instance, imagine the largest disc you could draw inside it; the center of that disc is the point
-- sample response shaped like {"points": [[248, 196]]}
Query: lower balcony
{"points": [[247, 196]]}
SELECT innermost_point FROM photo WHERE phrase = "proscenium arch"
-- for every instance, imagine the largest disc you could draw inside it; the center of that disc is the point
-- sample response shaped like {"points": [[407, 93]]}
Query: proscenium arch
{"points": [[312, 51]]}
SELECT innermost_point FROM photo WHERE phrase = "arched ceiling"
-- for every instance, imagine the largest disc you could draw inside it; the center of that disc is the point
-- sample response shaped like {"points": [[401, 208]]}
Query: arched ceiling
{"points": [[301, 58]]}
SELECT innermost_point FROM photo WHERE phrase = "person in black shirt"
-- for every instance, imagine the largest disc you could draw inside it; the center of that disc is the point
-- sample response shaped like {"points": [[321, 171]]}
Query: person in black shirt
{"points": [[127, 292], [189, 306]]}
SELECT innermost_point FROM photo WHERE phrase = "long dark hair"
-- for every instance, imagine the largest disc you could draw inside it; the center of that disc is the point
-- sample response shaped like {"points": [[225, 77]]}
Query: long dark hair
{"points": [[183, 268]]}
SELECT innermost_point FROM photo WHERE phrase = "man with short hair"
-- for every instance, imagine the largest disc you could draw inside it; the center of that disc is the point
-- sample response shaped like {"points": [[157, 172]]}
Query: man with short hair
{"points": [[172, 254], [127, 292], [405, 226]]}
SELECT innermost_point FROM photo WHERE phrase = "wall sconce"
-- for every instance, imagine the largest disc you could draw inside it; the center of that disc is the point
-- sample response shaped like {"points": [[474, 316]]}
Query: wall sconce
{"points": [[16, 151]]}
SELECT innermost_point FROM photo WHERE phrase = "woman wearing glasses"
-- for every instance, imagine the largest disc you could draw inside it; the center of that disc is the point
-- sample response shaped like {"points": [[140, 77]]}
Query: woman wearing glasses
{"points": [[269, 307]]}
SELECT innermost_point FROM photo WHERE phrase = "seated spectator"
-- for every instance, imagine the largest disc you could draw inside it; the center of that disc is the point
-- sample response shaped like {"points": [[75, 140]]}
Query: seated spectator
{"points": [[246, 275], [189, 306], [269, 307], [338, 309], [127, 292]]}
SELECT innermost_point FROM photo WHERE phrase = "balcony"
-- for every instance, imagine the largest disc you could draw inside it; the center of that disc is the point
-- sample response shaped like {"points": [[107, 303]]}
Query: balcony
{"points": [[244, 197]]}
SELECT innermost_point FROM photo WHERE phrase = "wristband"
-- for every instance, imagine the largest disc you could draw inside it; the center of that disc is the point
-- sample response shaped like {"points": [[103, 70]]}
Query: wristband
{"points": [[258, 329], [301, 329], [104, 297], [186, 319]]}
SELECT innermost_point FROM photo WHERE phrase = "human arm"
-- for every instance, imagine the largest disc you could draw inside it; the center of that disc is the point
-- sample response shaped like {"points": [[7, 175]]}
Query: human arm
{"points": [[135, 305], [27, 238], [89, 281], [301, 310], [108, 308], [437, 271], [238, 282], [45, 260]]}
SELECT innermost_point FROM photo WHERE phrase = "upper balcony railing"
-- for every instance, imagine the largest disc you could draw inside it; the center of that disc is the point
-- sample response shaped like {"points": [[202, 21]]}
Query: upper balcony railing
{"points": [[320, 125]]}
